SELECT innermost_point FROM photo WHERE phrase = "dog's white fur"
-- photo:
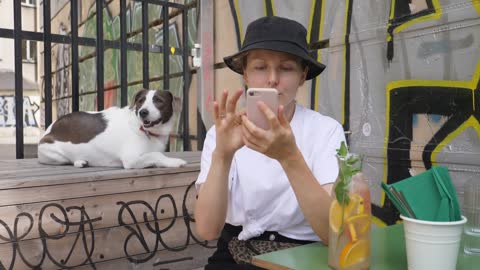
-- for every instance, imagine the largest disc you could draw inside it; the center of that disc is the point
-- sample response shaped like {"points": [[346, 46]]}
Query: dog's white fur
{"points": [[121, 144]]}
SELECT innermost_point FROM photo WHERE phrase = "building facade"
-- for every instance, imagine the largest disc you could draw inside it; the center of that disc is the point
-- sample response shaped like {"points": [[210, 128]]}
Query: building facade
{"points": [[30, 61]]}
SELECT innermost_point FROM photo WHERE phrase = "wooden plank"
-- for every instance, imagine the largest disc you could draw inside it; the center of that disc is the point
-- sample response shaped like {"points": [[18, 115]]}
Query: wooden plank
{"points": [[19, 165], [108, 244], [69, 178], [105, 207], [94, 188], [25, 163], [194, 257], [189, 155], [19, 162], [26, 160], [80, 177], [48, 171]]}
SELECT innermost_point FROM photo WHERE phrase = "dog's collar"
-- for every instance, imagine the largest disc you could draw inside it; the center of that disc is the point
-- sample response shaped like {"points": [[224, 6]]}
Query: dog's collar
{"points": [[149, 133]]}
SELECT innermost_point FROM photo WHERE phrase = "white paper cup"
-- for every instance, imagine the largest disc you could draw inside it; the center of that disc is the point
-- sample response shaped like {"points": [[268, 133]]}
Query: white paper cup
{"points": [[432, 245]]}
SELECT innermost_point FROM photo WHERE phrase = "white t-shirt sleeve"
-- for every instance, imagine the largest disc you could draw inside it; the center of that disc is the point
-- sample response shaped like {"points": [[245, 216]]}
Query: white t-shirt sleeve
{"points": [[206, 158], [325, 164]]}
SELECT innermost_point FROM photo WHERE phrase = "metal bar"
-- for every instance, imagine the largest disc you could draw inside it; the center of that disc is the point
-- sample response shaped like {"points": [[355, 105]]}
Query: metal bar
{"points": [[47, 62], [316, 19], [186, 82], [145, 44], [75, 68], [136, 48], [99, 54], [123, 54], [17, 33], [132, 83], [346, 113], [84, 41], [6, 33], [173, 14], [165, 3], [269, 8], [201, 131], [166, 51], [68, 40], [93, 14]]}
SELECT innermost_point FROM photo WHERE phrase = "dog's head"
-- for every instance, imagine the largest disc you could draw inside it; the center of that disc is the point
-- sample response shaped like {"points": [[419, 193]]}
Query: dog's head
{"points": [[153, 107]]}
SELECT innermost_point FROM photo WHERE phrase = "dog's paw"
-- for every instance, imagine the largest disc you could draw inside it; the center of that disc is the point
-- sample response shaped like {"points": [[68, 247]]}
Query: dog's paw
{"points": [[80, 163], [174, 163]]}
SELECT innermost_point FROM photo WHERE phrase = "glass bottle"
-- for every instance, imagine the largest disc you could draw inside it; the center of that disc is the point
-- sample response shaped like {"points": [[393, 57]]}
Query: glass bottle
{"points": [[350, 216], [471, 210]]}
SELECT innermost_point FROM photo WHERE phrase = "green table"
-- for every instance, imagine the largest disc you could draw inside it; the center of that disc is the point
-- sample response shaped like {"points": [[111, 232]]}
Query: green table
{"points": [[388, 252]]}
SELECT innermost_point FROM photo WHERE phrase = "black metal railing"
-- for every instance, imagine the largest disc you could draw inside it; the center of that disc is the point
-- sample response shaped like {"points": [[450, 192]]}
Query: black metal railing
{"points": [[47, 37]]}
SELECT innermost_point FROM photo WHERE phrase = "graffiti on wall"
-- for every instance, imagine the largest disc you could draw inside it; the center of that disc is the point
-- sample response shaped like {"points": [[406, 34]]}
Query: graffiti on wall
{"points": [[457, 102], [7, 112], [67, 237], [62, 76], [409, 97]]}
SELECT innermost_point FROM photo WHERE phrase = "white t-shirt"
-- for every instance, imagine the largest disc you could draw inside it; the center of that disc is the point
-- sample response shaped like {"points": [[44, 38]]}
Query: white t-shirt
{"points": [[260, 196]]}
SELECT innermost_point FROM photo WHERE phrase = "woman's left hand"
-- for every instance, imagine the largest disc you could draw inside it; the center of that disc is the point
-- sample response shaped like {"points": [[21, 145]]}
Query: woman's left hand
{"points": [[278, 142]]}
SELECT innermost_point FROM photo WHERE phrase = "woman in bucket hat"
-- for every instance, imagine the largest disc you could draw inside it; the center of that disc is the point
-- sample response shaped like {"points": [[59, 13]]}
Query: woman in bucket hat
{"points": [[267, 185]]}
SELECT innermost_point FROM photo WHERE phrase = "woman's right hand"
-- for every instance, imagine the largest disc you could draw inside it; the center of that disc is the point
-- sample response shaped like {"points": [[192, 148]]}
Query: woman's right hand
{"points": [[228, 124]]}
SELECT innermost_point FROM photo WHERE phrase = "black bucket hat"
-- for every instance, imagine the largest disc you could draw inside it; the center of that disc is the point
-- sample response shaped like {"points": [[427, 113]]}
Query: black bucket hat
{"points": [[276, 34]]}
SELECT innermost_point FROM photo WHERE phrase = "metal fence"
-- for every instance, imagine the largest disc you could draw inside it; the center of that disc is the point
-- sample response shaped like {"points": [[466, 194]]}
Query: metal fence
{"points": [[47, 37]]}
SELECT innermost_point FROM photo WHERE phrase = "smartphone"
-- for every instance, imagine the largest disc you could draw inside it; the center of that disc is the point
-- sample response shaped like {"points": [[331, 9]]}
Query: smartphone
{"points": [[269, 96]]}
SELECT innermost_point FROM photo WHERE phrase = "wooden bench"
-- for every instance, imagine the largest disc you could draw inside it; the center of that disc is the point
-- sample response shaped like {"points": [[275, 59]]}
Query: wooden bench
{"points": [[55, 217]]}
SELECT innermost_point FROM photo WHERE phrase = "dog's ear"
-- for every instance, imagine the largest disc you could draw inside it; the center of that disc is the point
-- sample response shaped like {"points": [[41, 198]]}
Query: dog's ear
{"points": [[176, 101], [140, 93]]}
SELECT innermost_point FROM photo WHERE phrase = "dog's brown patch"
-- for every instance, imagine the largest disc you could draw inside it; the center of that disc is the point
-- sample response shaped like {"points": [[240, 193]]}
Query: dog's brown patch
{"points": [[76, 127], [163, 101], [139, 99]]}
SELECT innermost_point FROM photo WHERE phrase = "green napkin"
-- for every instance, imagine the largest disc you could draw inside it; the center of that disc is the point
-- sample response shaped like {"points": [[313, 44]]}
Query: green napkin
{"points": [[427, 196]]}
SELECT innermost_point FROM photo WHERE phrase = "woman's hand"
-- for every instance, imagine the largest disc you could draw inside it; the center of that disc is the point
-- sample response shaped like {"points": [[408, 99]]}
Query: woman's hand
{"points": [[228, 124], [278, 142]]}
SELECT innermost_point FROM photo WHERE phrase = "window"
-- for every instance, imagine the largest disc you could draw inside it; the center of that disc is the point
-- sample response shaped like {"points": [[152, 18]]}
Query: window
{"points": [[29, 2], [29, 50]]}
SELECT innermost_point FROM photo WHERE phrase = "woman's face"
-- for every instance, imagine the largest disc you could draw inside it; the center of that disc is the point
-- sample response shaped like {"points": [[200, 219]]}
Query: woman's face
{"points": [[279, 70]]}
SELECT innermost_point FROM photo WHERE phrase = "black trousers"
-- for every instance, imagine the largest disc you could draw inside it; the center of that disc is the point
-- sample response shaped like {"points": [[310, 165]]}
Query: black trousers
{"points": [[223, 260]]}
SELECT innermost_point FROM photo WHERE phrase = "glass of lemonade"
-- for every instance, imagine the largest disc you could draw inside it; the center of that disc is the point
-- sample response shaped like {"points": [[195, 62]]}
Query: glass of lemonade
{"points": [[350, 218]]}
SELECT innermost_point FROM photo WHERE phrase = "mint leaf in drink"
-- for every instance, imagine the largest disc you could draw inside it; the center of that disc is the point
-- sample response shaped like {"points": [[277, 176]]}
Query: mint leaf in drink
{"points": [[341, 188], [349, 165], [343, 150], [341, 192]]}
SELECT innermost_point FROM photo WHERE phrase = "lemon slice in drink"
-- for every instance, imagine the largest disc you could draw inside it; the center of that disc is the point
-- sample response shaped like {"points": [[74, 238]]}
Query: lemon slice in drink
{"points": [[354, 253], [357, 226], [354, 206]]}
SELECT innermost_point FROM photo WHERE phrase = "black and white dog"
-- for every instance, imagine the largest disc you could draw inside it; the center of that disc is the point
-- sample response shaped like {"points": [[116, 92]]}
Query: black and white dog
{"points": [[129, 137]]}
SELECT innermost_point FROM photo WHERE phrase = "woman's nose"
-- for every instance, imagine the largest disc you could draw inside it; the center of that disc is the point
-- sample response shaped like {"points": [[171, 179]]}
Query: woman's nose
{"points": [[272, 78]]}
